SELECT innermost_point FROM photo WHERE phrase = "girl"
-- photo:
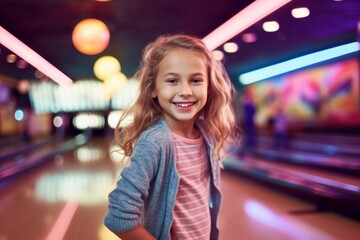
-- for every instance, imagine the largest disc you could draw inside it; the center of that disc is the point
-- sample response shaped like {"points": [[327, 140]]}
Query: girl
{"points": [[183, 124]]}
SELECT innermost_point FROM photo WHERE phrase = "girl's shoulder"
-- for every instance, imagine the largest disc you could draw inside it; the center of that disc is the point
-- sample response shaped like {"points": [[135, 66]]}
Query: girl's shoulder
{"points": [[158, 133]]}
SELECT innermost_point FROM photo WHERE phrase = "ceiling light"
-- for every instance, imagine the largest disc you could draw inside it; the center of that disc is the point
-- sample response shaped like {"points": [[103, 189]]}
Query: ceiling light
{"points": [[91, 36], [11, 58], [300, 12], [218, 55], [114, 83], [249, 37], [106, 66], [297, 63], [271, 26], [29, 55], [23, 86], [21, 64], [38, 74], [241, 21], [230, 47]]}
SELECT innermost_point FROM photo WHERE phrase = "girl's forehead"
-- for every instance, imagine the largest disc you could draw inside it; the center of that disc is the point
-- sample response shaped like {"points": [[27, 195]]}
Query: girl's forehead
{"points": [[179, 53], [183, 58]]}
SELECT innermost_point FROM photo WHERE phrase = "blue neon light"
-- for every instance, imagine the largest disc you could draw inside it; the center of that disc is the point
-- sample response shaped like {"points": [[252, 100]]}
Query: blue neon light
{"points": [[297, 63]]}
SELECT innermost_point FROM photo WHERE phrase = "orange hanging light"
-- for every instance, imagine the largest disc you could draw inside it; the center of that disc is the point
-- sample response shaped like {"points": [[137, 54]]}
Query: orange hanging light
{"points": [[91, 36]]}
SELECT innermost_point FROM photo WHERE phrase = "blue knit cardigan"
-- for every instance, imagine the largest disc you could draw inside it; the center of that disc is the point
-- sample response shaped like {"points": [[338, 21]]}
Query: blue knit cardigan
{"points": [[146, 190]]}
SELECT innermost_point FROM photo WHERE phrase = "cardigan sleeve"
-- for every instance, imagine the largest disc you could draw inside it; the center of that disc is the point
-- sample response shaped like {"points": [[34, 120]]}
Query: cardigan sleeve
{"points": [[126, 201]]}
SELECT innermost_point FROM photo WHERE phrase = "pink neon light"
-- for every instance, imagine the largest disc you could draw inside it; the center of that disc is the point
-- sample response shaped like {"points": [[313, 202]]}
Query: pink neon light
{"points": [[241, 21], [62, 223], [29, 55]]}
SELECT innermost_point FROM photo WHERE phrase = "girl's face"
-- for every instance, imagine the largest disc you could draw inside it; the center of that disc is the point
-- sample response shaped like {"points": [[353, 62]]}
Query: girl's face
{"points": [[181, 87]]}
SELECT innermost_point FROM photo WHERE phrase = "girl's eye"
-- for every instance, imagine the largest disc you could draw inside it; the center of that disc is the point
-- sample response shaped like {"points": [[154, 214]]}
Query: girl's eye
{"points": [[197, 81], [172, 80]]}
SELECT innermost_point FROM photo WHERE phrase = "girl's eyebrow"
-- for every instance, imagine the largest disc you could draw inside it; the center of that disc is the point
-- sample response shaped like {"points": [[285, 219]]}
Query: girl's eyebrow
{"points": [[198, 74], [176, 74], [170, 73]]}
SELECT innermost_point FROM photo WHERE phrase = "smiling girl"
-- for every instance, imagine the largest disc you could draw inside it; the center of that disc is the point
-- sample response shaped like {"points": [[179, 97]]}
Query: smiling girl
{"points": [[183, 125]]}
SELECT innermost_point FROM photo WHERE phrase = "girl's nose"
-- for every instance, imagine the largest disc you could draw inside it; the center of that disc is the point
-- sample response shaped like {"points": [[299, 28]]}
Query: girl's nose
{"points": [[185, 90]]}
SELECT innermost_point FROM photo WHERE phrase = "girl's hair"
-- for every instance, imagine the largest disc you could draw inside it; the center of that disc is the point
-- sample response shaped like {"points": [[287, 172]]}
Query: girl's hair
{"points": [[218, 115]]}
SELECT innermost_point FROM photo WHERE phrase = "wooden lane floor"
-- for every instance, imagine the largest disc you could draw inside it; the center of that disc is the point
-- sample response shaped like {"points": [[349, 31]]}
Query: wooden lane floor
{"points": [[254, 211], [66, 198]]}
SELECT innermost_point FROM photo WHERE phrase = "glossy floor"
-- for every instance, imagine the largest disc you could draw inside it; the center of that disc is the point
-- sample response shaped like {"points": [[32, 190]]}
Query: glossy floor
{"points": [[66, 198]]}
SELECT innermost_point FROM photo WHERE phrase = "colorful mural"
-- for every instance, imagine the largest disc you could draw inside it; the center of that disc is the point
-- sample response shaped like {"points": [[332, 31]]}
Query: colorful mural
{"points": [[326, 94]]}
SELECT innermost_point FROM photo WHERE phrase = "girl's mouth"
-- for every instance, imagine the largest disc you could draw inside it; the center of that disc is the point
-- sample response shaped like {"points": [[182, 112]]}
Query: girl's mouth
{"points": [[184, 105]]}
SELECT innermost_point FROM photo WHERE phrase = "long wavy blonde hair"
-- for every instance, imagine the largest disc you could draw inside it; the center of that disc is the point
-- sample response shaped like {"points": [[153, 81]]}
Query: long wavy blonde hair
{"points": [[218, 115]]}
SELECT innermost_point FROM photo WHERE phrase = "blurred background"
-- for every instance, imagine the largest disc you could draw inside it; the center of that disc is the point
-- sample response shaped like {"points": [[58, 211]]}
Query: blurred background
{"points": [[66, 73]]}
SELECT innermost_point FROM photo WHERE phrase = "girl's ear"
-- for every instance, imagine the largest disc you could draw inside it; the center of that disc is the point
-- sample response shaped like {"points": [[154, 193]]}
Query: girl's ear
{"points": [[153, 94], [153, 90]]}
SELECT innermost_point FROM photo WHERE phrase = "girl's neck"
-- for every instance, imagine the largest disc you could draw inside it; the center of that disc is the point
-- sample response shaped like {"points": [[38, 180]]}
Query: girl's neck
{"points": [[194, 134], [186, 131]]}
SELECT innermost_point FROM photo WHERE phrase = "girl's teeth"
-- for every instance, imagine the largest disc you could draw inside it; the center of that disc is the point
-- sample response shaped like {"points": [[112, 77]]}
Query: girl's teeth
{"points": [[184, 104]]}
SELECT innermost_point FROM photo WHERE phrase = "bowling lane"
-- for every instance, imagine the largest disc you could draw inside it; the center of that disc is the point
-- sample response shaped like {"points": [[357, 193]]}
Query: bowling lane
{"points": [[67, 197], [300, 168], [253, 211]]}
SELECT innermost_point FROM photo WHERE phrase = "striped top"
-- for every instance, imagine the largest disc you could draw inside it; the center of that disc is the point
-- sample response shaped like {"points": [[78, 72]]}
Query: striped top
{"points": [[191, 212]]}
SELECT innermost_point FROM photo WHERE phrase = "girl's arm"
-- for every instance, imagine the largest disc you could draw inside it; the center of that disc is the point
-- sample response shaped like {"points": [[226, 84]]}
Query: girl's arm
{"points": [[138, 233], [126, 201]]}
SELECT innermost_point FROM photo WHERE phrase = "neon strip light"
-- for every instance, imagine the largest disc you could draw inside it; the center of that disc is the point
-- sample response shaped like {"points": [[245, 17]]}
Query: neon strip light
{"points": [[62, 223], [297, 63], [241, 21], [29, 55]]}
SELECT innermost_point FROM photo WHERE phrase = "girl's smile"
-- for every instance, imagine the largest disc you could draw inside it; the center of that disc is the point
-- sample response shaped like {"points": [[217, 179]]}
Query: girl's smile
{"points": [[185, 106]]}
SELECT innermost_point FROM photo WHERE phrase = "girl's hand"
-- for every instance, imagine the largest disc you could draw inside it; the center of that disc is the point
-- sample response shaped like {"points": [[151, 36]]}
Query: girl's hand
{"points": [[138, 233]]}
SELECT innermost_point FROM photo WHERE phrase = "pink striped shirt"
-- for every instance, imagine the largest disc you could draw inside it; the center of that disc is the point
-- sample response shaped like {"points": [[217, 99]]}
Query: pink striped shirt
{"points": [[191, 212]]}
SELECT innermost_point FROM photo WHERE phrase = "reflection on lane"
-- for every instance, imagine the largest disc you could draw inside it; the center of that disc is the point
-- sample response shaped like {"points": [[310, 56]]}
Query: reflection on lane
{"points": [[86, 188], [284, 223], [89, 154]]}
